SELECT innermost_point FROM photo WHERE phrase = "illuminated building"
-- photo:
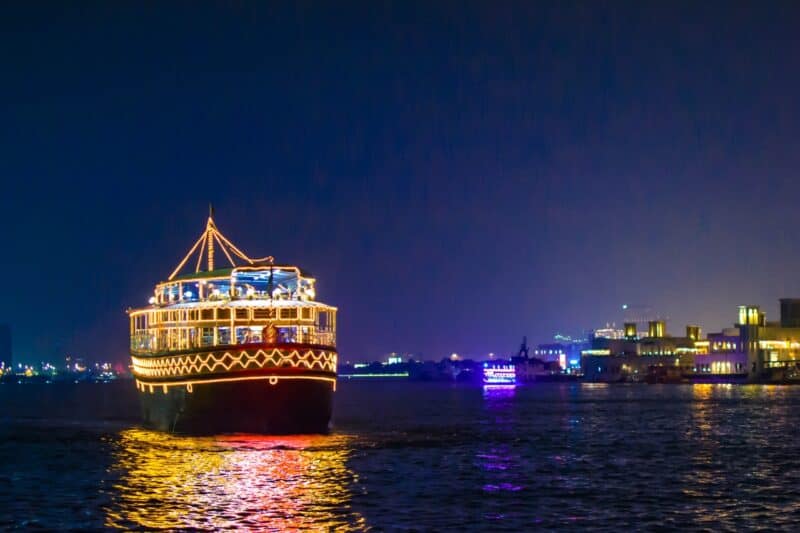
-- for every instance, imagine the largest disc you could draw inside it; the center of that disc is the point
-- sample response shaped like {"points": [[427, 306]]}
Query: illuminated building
{"points": [[755, 349], [660, 357], [656, 329], [772, 348], [566, 354], [637, 317], [242, 348], [395, 358], [609, 332]]}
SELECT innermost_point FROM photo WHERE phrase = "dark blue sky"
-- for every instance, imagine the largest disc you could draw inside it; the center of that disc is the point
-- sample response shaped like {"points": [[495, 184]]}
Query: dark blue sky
{"points": [[456, 175]]}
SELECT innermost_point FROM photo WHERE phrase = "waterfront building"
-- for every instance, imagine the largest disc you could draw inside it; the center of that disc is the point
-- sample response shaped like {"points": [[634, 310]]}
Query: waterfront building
{"points": [[772, 348], [659, 357], [396, 358], [551, 353], [567, 353], [609, 332], [754, 349]]}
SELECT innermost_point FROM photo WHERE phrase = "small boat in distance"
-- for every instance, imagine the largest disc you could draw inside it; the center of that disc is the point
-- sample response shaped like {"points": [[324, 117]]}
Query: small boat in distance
{"points": [[244, 348], [499, 373]]}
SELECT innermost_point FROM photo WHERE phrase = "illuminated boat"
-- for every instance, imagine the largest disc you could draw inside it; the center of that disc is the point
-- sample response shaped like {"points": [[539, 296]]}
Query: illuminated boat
{"points": [[245, 348], [499, 373]]}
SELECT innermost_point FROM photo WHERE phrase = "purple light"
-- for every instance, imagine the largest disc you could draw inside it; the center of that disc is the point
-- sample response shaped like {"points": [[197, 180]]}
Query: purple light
{"points": [[499, 374]]}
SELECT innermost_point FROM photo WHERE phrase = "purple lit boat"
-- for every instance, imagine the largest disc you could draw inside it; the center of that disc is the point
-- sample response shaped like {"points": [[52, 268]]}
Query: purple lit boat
{"points": [[499, 373]]}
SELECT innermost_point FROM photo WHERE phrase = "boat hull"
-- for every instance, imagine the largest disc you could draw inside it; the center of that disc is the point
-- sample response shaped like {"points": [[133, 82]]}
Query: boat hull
{"points": [[257, 388], [289, 406]]}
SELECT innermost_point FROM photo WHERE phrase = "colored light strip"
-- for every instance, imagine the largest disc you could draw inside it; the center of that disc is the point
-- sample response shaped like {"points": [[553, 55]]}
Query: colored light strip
{"points": [[211, 362], [189, 384], [394, 375], [596, 352]]}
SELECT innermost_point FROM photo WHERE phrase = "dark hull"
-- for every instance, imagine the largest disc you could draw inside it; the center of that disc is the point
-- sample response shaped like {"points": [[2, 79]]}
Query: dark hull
{"points": [[289, 406]]}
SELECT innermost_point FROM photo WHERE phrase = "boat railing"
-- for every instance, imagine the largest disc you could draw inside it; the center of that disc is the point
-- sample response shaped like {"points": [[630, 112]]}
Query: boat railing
{"points": [[159, 341]]}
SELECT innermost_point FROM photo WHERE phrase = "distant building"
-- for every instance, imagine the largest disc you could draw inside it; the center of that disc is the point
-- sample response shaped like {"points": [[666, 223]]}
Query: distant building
{"points": [[609, 332], [754, 349], [396, 358], [772, 348], [566, 352], [5, 345]]}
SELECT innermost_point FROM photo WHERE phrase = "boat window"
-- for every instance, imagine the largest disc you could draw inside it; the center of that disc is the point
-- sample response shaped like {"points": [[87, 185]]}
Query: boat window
{"points": [[289, 313], [243, 314], [207, 314], [208, 336], [247, 335], [263, 313], [307, 312], [223, 314]]}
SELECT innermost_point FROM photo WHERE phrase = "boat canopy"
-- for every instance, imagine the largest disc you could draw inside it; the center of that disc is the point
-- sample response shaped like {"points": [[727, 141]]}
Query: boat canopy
{"points": [[245, 277]]}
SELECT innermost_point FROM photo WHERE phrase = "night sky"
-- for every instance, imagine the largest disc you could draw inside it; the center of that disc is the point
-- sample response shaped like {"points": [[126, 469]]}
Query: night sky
{"points": [[456, 175]]}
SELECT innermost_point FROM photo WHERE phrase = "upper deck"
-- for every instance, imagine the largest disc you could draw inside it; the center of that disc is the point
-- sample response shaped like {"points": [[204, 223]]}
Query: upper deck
{"points": [[254, 302]]}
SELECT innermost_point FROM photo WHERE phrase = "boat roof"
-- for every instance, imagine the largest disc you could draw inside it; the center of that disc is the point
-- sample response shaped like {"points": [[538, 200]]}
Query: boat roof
{"points": [[254, 303], [227, 272]]}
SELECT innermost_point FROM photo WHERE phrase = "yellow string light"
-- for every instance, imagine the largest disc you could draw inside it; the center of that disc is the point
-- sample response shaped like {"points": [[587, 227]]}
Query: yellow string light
{"points": [[189, 384], [206, 243]]}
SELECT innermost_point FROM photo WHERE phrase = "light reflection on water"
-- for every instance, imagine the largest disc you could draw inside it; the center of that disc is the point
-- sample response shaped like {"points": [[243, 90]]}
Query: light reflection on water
{"points": [[242, 481], [500, 464], [428, 457]]}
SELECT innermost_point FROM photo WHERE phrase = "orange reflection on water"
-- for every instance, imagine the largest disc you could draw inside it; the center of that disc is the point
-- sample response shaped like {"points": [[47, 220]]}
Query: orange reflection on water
{"points": [[241, 481]]}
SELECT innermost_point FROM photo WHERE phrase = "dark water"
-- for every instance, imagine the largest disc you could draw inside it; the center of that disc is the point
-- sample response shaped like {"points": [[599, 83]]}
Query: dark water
{"points": [[416, 456]]}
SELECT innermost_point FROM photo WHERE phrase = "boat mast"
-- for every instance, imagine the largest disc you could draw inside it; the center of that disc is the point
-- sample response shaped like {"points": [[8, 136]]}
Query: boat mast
{"points": [[210, 235], [206, 242]]}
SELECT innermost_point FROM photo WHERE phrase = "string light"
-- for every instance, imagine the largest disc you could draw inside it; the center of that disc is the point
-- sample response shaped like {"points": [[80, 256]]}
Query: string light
{"points": [[206, 243], [190, 384], [211, 362]]}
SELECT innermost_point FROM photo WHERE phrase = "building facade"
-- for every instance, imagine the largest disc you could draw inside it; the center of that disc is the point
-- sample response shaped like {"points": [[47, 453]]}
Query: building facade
{"points": [[754, 350]]}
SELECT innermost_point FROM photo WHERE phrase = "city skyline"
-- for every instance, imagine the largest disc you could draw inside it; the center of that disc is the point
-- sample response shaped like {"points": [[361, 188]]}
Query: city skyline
{"points": [[455, 179]]}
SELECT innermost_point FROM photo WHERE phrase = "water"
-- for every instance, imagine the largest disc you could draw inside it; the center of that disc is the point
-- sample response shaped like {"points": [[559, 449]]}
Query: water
{"points": [[411, 456]]}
